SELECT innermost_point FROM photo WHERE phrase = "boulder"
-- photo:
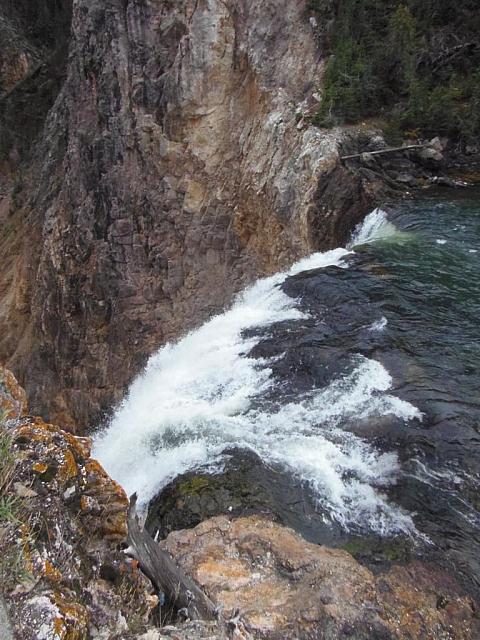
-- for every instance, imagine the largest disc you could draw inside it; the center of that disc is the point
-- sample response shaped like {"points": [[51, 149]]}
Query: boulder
{"points": [[431, 157], [288, 589]]}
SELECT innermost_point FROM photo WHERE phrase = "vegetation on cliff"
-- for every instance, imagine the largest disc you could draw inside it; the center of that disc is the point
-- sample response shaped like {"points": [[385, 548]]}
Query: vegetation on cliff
{"points": [[414, 63]]}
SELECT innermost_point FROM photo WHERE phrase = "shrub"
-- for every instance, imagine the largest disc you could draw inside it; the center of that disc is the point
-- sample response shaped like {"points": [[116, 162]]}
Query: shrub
{"points": [[401, 61]]}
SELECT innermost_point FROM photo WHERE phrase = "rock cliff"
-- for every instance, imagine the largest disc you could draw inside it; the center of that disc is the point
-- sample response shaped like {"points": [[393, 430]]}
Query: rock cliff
{"points": [[176, 164]]}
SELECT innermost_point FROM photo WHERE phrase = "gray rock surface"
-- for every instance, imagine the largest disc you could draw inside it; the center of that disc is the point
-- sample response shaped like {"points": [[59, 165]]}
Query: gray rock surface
{"points": [[6, 632]]}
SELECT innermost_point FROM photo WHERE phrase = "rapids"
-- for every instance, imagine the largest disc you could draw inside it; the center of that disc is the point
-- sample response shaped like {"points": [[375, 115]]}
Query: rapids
{"points": [[195, 399], [356, 372]]}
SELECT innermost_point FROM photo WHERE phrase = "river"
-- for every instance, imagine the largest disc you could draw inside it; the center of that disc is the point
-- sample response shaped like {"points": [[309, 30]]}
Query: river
{"points": [[355, 373]]}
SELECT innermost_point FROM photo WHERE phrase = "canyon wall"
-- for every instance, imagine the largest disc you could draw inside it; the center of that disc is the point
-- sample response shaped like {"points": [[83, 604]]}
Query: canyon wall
{"points": [[177, 164]]}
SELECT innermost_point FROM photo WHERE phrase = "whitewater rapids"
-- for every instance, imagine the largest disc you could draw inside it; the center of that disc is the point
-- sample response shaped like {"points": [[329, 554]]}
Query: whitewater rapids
{"points": [[195, 399]]}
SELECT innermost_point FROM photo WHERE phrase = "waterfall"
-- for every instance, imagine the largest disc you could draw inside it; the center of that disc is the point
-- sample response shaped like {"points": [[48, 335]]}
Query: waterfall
{"points": [[203, 394]]}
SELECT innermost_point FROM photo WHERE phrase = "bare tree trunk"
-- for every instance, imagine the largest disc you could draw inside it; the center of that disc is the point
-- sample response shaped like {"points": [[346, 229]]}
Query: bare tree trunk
{"points": [[165, 574], [383, 151]]}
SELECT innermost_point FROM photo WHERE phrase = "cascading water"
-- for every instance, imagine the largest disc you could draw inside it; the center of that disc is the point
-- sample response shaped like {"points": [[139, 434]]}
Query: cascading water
{"points": [[376, 226], [204, 394]]}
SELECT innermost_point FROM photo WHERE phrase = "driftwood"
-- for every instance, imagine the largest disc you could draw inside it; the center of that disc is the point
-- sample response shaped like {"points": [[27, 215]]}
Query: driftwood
{"points": [[165, 574], [381, 151]]}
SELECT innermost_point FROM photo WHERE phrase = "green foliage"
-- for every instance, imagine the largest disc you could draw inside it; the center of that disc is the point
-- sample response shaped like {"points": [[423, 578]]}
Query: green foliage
{"points": [[350, 86], [399, 61], [9, 506], [13, 568]]}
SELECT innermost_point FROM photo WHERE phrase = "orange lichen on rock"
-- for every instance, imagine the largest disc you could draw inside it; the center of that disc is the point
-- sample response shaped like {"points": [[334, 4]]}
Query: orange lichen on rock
{"points": [[72, 624], [64, 459], [69, 469], [110, 496], [25, 536], [52, 573], [40, 467], [77, 518], [13, 399]]}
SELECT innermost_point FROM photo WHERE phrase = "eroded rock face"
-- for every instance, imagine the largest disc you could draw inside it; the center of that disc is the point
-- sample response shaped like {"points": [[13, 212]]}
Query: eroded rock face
{"points": [[176, 165], [286, 588]]}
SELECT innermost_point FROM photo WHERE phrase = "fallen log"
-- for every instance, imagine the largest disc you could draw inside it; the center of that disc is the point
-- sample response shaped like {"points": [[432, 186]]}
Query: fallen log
{"points": [[377, 153], [180, 590]]}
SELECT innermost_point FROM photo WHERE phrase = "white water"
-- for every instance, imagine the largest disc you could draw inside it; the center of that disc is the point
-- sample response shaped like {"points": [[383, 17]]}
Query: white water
{"points": [[194, 400], [376, 226]]}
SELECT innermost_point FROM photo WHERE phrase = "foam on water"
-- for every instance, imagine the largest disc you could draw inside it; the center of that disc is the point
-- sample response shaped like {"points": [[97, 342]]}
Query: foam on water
{"points": [[379, 325], [194, 400], [375, 226]]}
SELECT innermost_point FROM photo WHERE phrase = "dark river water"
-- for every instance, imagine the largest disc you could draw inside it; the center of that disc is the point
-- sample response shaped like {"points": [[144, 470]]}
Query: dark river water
{"points": [[352, 380], [423, 282]]}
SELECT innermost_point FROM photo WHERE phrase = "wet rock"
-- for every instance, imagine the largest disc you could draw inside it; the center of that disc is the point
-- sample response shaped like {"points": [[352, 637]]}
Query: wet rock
{"points": [[445, 181], [286, 588], [405, 178], [244, 486]]}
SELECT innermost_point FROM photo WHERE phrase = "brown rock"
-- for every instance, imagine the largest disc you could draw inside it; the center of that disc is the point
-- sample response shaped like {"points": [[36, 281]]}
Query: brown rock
{"points": [[286, 588], [65, 538], [13, 399], [62, 461]]}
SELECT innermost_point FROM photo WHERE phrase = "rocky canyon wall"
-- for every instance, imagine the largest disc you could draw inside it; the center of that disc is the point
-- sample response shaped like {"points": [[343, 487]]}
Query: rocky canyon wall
{"points": [[176, 164]]}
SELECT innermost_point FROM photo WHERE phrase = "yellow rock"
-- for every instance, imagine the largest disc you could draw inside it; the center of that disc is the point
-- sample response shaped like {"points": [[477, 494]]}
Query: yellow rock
{"points": [[13, 399], [51, 573], [40, 467]]}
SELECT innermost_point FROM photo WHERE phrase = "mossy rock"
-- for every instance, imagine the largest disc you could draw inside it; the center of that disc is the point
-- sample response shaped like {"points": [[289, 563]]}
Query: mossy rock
{"points": [[379, 552], [245, 486], [194, 486]]}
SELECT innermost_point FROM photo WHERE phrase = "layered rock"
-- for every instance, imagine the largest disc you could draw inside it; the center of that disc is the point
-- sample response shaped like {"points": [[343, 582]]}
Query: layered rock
{"points": [[177, 164]]}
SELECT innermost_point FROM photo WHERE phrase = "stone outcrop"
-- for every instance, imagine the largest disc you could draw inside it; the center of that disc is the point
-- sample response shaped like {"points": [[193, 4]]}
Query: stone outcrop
{"points": [[62, 525], [286, 588], [177, 164], [13, 399]]}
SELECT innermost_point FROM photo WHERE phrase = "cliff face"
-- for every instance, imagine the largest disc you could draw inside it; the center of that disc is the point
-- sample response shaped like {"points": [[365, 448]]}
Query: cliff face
{"points": [[176, 165]]}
